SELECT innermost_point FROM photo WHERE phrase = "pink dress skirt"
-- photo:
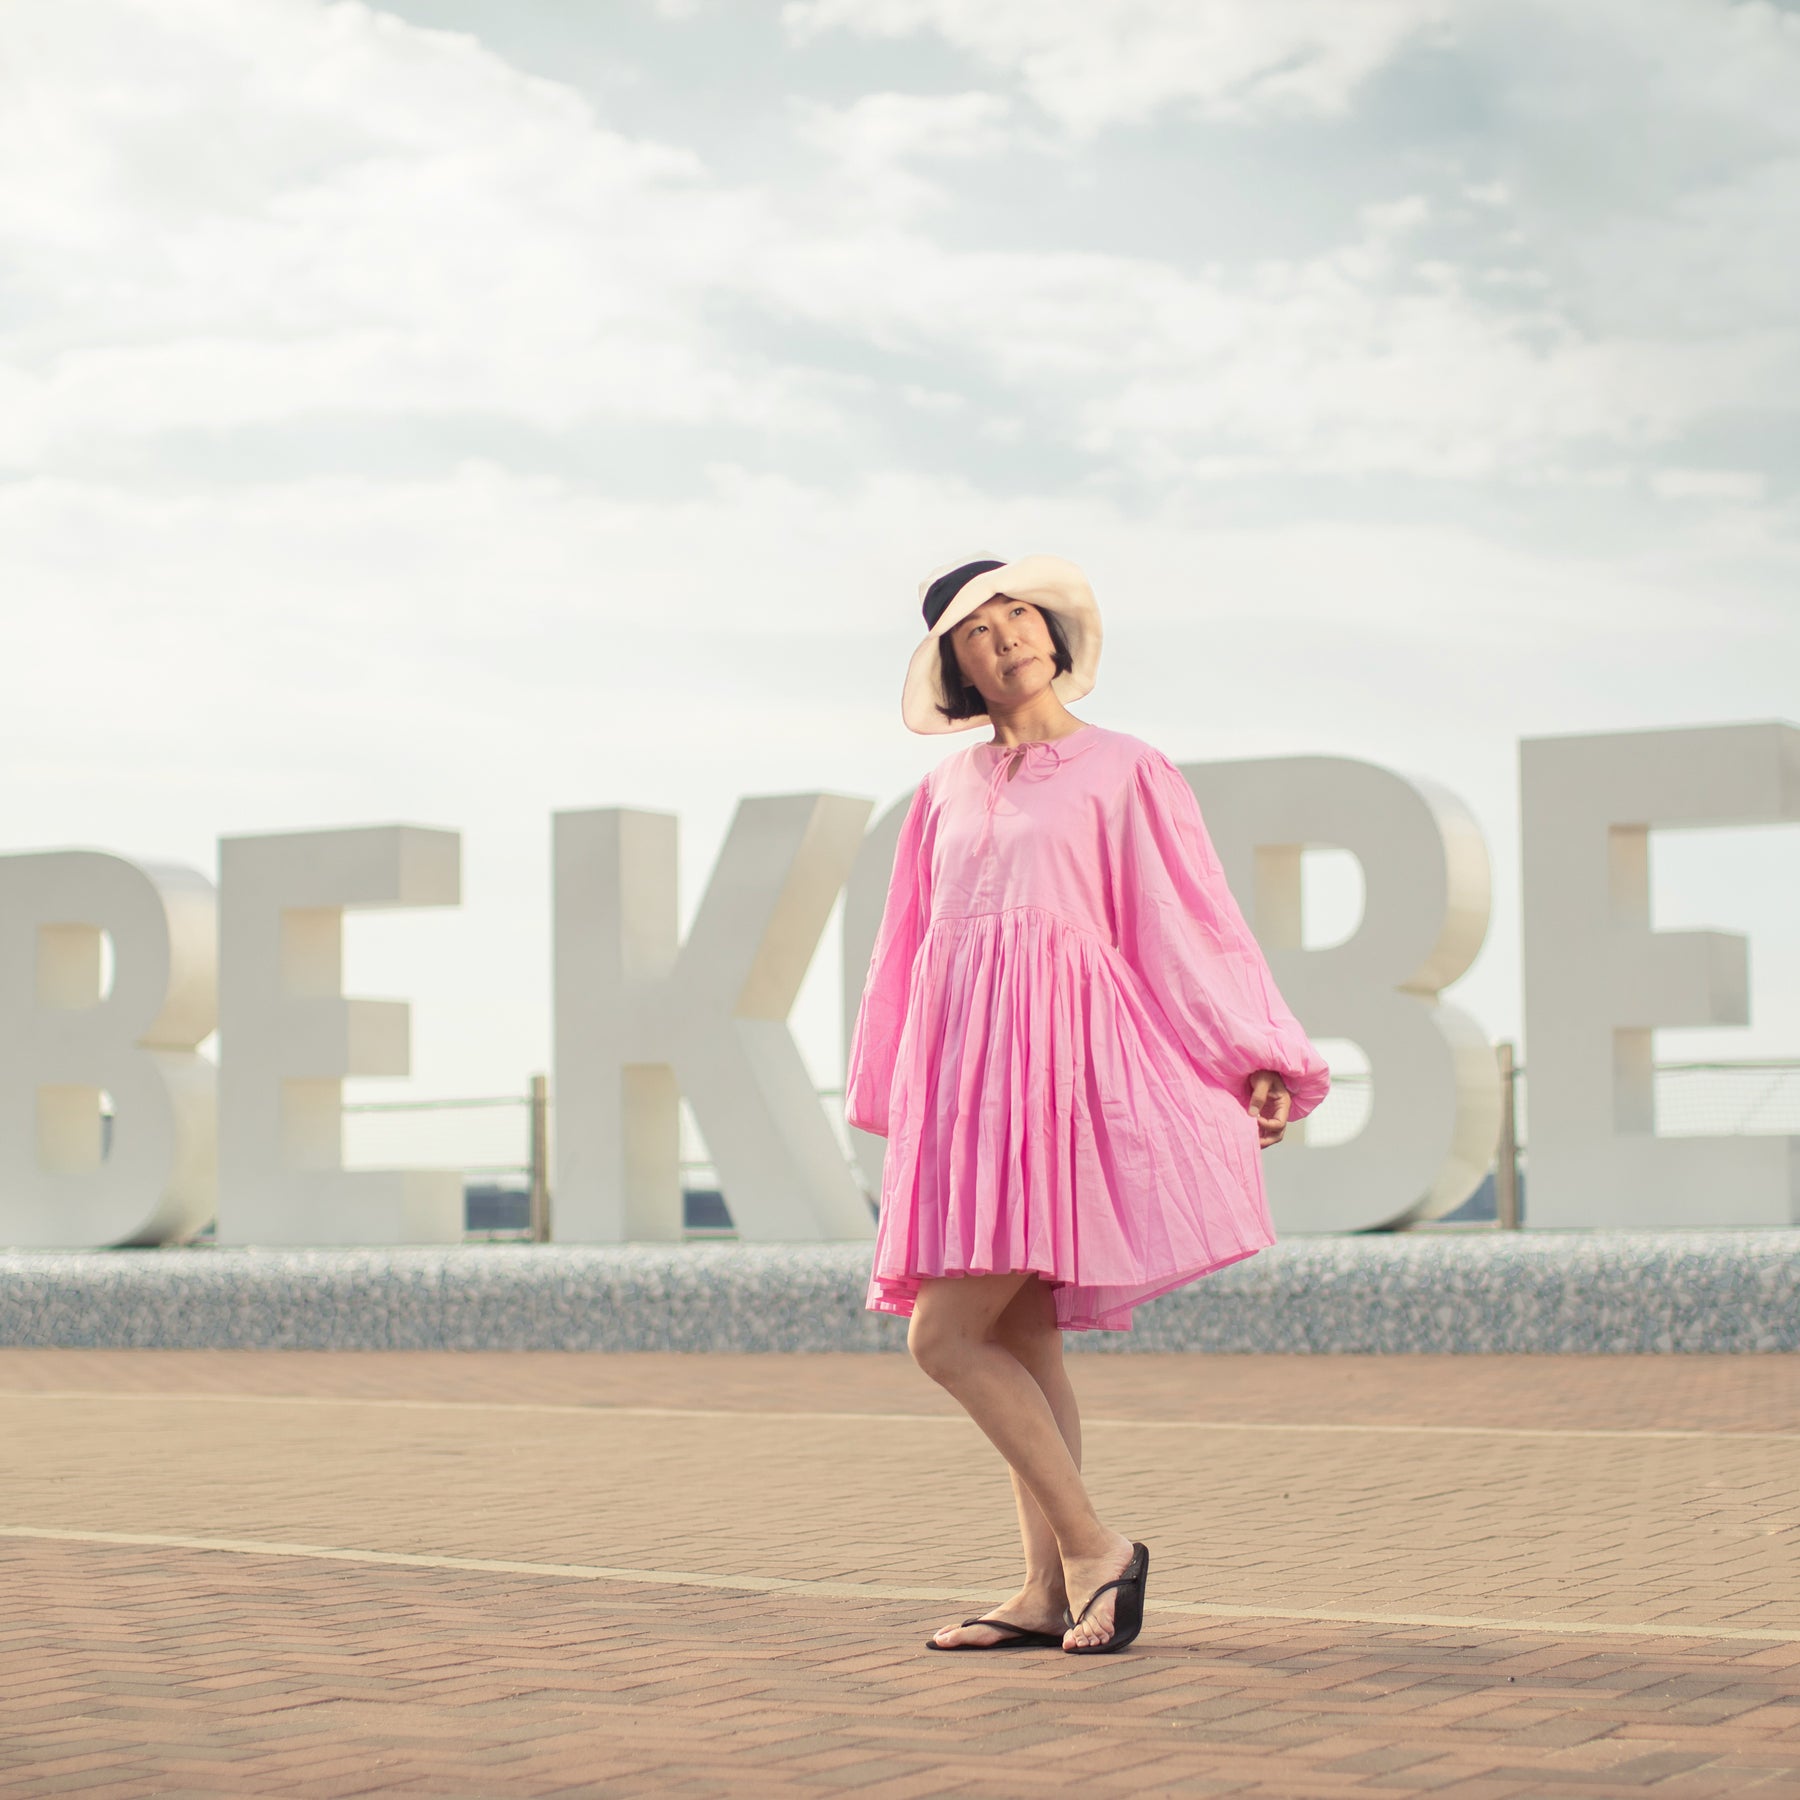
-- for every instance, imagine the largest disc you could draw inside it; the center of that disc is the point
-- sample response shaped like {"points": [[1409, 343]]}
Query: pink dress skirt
{"points": [[1063, 1011]]}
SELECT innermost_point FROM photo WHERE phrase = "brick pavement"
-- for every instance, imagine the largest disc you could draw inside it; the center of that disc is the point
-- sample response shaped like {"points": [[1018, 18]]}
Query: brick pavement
{"points": [[712, 1576]]}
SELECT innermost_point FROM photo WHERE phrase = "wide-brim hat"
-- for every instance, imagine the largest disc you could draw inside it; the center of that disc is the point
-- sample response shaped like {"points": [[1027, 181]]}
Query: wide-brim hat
{"points": [[948, 595]]}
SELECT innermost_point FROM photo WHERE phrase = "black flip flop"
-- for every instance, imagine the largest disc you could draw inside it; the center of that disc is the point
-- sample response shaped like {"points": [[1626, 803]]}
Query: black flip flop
{"points": [[1128, 1608], [1022, 1638]]}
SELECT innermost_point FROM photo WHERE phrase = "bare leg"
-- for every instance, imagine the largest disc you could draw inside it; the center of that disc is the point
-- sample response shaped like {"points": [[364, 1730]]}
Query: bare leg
{"points": [[963, 1337], [1027, 1328]]}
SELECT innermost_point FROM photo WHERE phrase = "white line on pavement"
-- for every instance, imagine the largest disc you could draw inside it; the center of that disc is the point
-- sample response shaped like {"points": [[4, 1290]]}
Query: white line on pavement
{"points": [[845, 1590], [899, 1418]]}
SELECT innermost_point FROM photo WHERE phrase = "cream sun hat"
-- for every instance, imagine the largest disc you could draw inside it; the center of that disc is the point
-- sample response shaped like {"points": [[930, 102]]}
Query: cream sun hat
{"points": [[948, 595]]}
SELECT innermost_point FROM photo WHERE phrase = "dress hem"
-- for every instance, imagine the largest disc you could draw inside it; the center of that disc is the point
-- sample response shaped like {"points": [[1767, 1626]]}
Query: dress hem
{"points": [[1111, 1318]]}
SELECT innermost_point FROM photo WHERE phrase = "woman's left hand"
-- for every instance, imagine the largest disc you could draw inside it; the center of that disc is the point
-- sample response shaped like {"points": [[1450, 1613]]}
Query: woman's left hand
{"points": [[1269, 1103]]}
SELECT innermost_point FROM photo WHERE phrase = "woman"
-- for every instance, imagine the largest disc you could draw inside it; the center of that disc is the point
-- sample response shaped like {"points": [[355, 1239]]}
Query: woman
{"points": [[1073, 1046]]}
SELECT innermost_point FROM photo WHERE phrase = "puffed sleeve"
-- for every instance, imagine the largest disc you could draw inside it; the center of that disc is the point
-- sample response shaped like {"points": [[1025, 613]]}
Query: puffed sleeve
{"points": [[875, 1039], [1181, 930]]}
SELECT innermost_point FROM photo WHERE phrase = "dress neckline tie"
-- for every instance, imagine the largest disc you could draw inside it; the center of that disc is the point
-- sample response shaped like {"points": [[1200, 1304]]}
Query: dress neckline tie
{"points": [[1026, 762], [1032, 762]]}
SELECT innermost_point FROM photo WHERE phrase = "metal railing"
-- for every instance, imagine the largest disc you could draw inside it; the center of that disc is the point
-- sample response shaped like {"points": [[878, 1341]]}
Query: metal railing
{"points": [[1710, 1098], [533, 1170], [1754, 1095]]}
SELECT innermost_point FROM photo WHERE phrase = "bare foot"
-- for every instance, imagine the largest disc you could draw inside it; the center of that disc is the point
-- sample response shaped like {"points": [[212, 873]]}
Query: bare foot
{"points": [[1036, 1608], [1082, 1576]]}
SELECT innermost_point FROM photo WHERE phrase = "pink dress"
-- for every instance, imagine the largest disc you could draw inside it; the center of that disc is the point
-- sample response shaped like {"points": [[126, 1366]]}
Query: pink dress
{"points": [[1063, 1010]]}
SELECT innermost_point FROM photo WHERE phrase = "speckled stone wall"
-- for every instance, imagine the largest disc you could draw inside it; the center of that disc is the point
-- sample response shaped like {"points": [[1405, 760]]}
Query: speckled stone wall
{"points": [[1476, 1291]]}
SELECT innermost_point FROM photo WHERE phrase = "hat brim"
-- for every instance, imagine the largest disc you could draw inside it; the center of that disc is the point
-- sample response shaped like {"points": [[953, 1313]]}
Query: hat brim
{"points": [[1050, 584]]}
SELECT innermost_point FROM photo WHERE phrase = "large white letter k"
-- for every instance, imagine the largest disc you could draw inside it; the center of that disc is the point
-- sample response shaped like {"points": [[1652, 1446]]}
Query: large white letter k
{"points": [[642, 1018]]}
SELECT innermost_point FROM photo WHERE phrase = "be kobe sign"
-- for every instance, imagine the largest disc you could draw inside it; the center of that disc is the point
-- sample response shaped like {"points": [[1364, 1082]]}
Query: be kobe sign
{"points": [[643, 1018]]}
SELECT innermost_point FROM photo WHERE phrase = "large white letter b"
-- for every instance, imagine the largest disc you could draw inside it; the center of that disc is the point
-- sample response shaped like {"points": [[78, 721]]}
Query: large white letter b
{"points": [[62, 1045]]}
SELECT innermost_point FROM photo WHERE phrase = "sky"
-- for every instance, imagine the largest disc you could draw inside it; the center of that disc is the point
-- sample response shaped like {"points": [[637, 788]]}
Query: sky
{"points": [[451, 411]]}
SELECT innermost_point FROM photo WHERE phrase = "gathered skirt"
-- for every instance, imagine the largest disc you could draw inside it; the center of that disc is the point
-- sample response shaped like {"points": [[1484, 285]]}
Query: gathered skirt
{"points": [[1044, 1118]]}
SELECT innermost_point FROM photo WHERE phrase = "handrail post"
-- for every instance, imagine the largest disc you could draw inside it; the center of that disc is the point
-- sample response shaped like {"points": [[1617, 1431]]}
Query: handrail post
{"points": [[1506, 1153], [540, 1159]]}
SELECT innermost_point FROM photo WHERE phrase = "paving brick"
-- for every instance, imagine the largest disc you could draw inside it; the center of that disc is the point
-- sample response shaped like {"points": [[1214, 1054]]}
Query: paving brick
{"points": [[135, 1670]]}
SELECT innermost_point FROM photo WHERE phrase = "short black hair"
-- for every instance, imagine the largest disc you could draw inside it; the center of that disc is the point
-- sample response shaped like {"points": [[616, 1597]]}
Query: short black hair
{"points": [[965, 698]]}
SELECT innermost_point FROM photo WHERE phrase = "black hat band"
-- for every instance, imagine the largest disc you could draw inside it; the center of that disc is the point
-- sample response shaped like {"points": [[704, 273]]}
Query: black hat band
{"points": [[947, 587]]}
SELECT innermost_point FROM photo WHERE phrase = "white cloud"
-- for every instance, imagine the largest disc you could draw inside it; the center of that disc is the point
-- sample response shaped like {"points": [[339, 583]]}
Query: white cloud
{"points": [[406, 228], [485, 590], [1646, 155], [214, 216], [1090, 65], [1359, 359], [1747, 485], [870, 147], [1603, 267], [890, 128]]}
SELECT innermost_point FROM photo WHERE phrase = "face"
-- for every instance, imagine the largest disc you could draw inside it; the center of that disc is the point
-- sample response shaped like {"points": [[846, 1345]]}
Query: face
{"points": [[1003, 647]]}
